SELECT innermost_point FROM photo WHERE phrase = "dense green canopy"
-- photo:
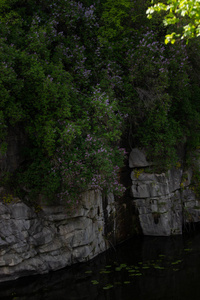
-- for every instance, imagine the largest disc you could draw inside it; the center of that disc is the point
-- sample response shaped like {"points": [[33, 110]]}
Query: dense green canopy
{"points": [[83, 81]]}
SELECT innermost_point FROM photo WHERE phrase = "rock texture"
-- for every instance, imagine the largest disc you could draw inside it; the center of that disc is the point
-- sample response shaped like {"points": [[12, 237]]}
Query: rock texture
{"points": [[35, 243], [165, 202], [138, 159]]}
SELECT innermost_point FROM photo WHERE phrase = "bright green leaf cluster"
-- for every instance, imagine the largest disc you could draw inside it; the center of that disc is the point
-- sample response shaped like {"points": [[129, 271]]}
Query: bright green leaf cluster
{"points": [[183, 14]]}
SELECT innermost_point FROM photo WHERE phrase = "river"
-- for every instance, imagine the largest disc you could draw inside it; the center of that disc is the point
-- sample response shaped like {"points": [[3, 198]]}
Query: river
{"points": [[142, 268]]}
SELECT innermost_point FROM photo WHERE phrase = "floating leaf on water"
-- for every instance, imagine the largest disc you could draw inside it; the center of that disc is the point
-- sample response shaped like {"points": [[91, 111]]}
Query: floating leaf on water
{"points": [[88, 272], [175, 270], [105, 272], [94, 282], [127, 282], [120, 267], [176, 262], [107, 287], [131, 271], [158, 267], [162, 255], [145, 267], [140, 263], [109, 266], [188, 249]]}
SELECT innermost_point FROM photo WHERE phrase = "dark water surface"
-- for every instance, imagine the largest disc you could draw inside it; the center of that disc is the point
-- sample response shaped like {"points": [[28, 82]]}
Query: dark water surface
{"points": [[153, 268]]}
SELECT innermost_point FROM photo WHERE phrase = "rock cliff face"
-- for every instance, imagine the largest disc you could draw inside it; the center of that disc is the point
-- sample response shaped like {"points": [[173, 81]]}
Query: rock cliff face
{"points": [[166, 201], [35, 243]]}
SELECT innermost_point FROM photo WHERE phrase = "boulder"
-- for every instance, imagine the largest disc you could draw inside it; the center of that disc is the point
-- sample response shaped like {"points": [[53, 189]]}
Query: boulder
{"points": [[137, 159]]}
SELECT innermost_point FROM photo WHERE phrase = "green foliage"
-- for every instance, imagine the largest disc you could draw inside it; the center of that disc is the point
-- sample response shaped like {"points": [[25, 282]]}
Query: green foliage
{"points": [[81, 77], [162, 102], [184, 14], [73, 128], [7, 199], [138, 172], [114, 17]]}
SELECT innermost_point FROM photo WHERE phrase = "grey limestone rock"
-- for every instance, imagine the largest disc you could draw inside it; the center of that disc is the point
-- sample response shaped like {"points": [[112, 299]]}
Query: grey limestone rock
{"points": [[164, 201], [155, 185], [161, 216], [35, 243], [137, 159]]}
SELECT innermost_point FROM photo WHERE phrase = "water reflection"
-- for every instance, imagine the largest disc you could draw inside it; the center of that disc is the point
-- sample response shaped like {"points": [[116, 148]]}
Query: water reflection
{"points": [[153, 268]]}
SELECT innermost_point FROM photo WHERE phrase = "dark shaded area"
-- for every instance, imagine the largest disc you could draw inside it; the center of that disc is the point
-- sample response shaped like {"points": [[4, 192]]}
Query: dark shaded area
{"points": [[173, 273]]}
